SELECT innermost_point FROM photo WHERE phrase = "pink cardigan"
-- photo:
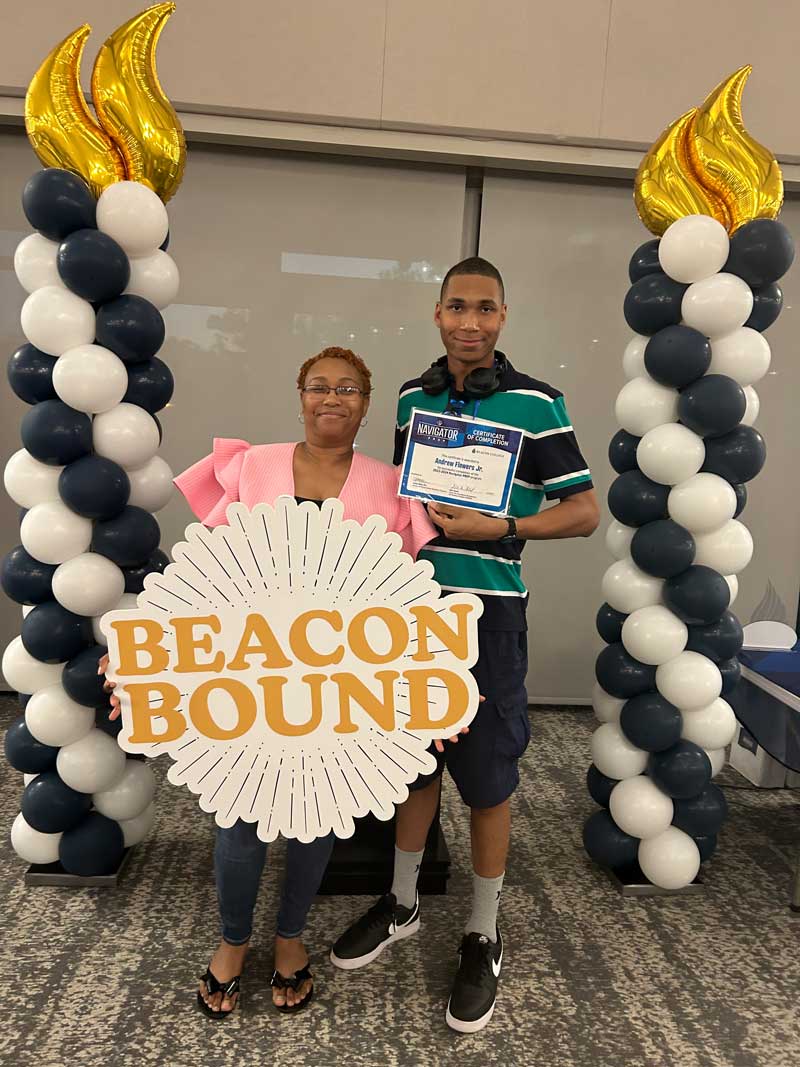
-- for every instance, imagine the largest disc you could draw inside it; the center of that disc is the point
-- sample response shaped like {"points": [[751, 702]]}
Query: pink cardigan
{"points": [[257, 474]]}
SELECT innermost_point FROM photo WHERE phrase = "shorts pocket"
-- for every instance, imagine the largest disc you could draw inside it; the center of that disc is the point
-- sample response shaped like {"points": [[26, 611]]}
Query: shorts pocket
{"points": [[514, 729]]}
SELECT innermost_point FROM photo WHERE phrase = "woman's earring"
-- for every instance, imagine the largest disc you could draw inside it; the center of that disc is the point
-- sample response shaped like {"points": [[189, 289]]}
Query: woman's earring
{"points": [[364, 421], [301, 417]]}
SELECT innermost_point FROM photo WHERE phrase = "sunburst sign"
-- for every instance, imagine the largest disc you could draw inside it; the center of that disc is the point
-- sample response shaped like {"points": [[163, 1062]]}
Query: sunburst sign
{"points": [[296, 667]]}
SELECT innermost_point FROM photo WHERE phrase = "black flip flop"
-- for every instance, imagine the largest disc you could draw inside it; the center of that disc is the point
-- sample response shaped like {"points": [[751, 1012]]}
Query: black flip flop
{"points": [[279, 981], [228, 989]]}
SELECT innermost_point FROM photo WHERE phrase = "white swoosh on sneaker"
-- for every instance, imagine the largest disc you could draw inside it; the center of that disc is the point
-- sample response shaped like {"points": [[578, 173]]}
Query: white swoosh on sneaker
{"points": [[496, 967]]}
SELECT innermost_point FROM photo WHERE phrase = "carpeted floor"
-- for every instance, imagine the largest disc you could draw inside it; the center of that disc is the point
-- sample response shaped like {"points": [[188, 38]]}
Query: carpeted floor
{"points": [[106, 977]]}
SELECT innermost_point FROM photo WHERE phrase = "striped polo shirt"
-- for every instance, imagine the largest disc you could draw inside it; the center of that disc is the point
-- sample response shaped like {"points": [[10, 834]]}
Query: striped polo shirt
{"points": [[550, 467]]}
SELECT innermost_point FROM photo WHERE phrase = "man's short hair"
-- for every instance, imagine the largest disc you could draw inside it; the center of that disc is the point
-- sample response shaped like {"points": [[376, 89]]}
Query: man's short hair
{"points": [[475, 265]]}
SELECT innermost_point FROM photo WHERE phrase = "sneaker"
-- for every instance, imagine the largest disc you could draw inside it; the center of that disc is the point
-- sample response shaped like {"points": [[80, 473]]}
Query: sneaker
{"points": [[385, 922], [475, 989]]}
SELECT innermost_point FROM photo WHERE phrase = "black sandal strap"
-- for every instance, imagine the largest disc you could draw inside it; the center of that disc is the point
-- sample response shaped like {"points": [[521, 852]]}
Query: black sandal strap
{"points": [[280, 981], [213, 985]]}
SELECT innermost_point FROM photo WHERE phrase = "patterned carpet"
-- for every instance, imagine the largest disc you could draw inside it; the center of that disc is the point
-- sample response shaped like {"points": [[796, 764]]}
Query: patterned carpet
{"points": [[106, 977]]}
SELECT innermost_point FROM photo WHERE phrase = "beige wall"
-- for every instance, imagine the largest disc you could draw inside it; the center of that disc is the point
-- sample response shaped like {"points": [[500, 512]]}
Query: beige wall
{"points": [[586, 71]]}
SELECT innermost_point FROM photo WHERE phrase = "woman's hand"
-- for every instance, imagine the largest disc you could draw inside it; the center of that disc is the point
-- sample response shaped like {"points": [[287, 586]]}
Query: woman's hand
{"points": [[465, 524], [108, 686]]}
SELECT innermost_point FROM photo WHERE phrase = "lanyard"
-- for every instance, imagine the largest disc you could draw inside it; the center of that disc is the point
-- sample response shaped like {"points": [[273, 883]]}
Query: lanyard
{"points": [[451, 408]]}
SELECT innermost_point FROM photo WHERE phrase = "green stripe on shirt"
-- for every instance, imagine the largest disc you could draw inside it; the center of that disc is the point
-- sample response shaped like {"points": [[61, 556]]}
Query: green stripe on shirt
{"points": [[462, 569]]}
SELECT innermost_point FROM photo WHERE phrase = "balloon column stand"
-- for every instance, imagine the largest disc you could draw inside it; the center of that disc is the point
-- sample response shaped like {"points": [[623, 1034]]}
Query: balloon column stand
{"points": [[702, 294], [88, 477], [631, 881]]}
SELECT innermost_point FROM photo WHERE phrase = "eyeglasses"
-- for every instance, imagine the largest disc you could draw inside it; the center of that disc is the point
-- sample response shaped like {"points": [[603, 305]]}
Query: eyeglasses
{"points": [[340, 390]]}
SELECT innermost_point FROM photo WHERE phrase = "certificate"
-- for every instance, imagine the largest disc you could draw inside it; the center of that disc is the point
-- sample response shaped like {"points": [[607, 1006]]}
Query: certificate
{"points": [[452, 459]]}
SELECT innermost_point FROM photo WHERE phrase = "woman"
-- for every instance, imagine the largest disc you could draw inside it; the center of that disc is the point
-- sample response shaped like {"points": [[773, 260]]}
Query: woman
{"points": [[334, 391]]}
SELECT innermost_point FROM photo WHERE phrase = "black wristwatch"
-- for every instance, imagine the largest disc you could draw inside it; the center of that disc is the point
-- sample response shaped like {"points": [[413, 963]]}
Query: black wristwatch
{"points": [[512, 530]]}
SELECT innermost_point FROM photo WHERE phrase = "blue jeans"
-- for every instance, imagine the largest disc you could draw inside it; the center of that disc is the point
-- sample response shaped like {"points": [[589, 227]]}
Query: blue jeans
{"points": [[239, 858]]}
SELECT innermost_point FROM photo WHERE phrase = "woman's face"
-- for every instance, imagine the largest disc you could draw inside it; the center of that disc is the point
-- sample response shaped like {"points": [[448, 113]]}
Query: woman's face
{"points": [[330, 418]]}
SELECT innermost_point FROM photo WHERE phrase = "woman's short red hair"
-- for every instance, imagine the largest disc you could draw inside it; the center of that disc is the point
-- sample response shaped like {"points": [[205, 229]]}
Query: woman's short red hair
{"points": [[337, 353]]}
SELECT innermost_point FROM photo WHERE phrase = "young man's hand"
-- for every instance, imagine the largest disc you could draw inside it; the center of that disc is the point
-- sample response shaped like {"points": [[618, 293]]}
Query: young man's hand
{"points": [[464, 524]]}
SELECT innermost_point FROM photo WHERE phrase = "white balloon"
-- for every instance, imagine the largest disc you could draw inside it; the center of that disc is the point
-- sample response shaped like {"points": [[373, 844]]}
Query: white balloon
{"points": [[618, 539], [690, 681], [693, 248], [156, 278], [52, 533], [35, 263], [90, 379], [125, 603], [733, 585], [26, 674], [126, 434], [671, 860], [639, 808], [151, 485], [702, 503], [633, 357], [93, 764], [136, 829], [626, 588], [28, 778], [27, 609], [32, 845], [89, 584], [654, 635], [55, 719], [134, 216], [727, 550], [643, 404], [743, 355], [54, 320], [753, 406], [128, 797], [712, 727], [29, 482], [718, 758], [670, 454], [614, 755], [717, 305], [606, 707]]}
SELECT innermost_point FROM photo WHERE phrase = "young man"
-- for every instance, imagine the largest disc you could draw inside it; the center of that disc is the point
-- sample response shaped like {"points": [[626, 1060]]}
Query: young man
{"points": [[480, 554]]}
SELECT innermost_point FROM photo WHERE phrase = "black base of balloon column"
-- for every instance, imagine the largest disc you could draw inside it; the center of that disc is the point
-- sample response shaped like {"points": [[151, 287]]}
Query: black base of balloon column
{"points": [[54, 874], [363, 864], [631, 882]]}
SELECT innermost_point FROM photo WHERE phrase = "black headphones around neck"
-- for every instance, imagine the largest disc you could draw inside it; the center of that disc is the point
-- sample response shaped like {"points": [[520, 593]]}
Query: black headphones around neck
{"points": [[478, 384]]}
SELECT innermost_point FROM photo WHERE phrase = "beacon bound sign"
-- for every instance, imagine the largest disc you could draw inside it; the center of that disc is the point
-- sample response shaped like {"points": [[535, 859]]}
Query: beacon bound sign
{"points": [[295, 666]]}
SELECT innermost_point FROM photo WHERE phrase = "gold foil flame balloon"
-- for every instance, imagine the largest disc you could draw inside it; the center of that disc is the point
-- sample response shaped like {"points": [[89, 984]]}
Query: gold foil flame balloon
{"points": [[58, 121], [665, 187], [727, 160], [132, 106], [707, 163]]}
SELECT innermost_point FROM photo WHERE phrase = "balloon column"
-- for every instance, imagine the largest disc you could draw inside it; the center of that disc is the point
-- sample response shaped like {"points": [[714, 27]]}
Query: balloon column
{"points": [[88, 477], [699, 303]]}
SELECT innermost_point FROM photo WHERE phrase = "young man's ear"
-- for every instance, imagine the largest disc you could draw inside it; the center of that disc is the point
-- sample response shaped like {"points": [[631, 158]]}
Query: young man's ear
{"points": [[437, 312]]}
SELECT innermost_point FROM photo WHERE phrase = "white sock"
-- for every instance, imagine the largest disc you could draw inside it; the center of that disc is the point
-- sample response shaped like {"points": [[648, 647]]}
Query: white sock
{"points": [[406, 872], [485, 902]]}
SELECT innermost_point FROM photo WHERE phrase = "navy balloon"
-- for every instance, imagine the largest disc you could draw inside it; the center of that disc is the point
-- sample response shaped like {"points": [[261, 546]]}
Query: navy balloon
{"points": [[55, 433], [30, 374], [24, 752], [165, 243], [102, 721], [131, 327], [703, 814], [599, 786], [129, 538], [707, 846], [663, 548], [50, 806], [622, 451], [731, 671], [23, 698], [93, 265], [150, 385], [712, 406], [52, 634], [634, 499], [606, 844], [682, 771], [81, 680], [698, 595], [761, 251], [645, 261], [719, 640], [767, 305], [25, 579], [653, 303], [677, 356], [621, 675], [135, 576], [650, 722], [609, 623], [94, 487], [93, 847], [57, 202], [737, 456], [741, 499]]}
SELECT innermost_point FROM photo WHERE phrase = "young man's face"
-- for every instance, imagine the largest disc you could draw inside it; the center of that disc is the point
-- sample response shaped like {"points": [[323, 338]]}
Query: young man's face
{"points": [[470, 317]]}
